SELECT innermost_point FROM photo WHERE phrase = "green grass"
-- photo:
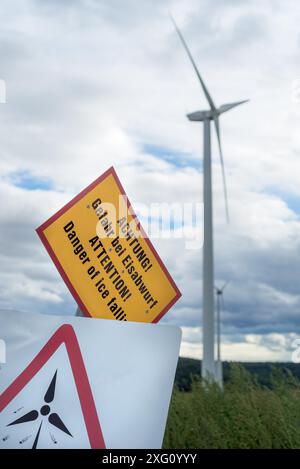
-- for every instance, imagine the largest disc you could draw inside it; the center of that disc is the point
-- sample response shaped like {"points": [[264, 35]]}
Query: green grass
{"points": [[245, 415]]}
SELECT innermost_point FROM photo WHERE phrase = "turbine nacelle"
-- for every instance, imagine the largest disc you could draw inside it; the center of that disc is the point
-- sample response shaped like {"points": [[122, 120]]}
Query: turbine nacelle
{"points": [[200, 116]]}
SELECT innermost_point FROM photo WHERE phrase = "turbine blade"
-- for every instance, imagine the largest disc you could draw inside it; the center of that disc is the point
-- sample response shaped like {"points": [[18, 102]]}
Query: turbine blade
{"points": [[55, 420], [49, 396], [224, 286], [227, 107], [37, 436], [216, 121], [205, 90], [29, 417]]}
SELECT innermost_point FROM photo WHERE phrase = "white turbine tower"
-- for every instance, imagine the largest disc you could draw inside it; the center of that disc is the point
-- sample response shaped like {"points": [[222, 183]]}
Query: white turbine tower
{"points": [[220, 305], [208, 361]]}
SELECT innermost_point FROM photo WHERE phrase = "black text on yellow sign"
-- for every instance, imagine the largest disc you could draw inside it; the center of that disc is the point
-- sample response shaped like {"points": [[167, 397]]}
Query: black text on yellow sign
{"points": [[105, 258]]}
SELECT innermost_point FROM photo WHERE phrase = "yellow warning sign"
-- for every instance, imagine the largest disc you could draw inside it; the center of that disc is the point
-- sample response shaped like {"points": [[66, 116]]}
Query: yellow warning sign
{"points": [[105, 257]]}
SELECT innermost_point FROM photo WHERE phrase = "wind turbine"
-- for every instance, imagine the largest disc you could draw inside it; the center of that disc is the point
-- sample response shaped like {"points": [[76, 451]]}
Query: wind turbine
{"points": [[212, 114], [220, 304]]}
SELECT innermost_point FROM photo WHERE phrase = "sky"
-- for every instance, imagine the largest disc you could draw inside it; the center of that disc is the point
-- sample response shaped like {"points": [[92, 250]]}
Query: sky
{"points": [[91, 84]]}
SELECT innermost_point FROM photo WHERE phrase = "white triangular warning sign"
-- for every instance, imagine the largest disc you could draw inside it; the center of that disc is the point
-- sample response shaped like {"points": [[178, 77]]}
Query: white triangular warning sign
{"points": [[38, 408], [84, 383]]}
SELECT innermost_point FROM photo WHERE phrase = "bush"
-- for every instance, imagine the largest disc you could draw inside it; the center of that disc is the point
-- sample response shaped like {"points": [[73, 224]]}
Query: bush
{"points": [[245, 415]]}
